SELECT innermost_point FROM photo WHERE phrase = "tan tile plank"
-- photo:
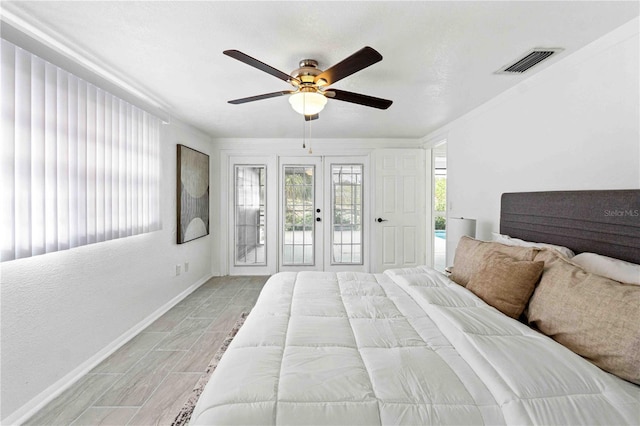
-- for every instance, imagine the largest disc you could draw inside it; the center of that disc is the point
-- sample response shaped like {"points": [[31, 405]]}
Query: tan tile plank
{"points": [[135, 386], [230, 287], [198, 358], [130, 353], [167, 400], [227, 319], [72, 402], [169, 320], [185, 334], [106, 416], [214, 282], [257, 281], [211, 308], [197, 297], [246, 298]]}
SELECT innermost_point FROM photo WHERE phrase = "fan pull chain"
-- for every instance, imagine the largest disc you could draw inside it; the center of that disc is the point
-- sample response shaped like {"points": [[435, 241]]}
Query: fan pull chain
{"points": [[310, 150], [303, 135], [304, 108]]}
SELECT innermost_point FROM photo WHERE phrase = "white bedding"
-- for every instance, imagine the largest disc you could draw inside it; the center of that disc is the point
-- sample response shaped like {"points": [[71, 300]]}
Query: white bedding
{"points": [[405, 347]]}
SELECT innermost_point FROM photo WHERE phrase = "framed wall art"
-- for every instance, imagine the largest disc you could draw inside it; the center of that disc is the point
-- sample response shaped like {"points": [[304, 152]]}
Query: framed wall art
{"points": [[193, 194]]}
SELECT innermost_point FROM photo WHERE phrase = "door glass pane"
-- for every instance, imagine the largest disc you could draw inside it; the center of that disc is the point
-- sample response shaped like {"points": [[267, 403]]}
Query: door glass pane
{"points": [[298, 248], [250, 196], [440, 209], [346, 226]]}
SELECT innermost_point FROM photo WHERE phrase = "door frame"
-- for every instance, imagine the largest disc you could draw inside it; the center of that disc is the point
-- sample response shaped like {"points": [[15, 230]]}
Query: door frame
{"points": [[222, 250]]}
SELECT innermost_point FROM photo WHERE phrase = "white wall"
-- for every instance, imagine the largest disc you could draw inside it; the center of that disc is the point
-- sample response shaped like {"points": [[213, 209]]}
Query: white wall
{"points": [[573, 126], [62, 312]]}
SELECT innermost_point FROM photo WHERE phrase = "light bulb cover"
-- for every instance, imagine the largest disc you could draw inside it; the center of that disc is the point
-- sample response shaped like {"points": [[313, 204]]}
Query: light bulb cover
{"points": [[307, 103]]}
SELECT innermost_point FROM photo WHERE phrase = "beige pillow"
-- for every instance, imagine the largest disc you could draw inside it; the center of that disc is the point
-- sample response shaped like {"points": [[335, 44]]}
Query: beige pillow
{"points": [[506, 283], [470, 253], [595, 317]]}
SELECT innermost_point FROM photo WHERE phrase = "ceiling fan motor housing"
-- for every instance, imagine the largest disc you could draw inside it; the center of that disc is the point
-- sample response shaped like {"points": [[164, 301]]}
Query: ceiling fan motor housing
{"points": [[307, 72]]}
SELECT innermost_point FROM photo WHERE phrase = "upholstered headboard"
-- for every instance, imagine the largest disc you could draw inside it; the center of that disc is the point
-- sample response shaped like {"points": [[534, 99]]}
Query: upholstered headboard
{"points": [[603, 222]]}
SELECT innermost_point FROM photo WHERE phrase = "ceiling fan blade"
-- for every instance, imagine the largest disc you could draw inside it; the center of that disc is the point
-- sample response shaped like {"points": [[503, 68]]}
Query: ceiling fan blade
{"points": [[357, 98], [260, 97], [243, 57], [311, 117], [354, 63]]}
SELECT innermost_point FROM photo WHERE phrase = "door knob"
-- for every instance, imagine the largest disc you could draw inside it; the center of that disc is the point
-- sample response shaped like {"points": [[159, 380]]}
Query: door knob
{"points": [[318, 219], [381, 220]]}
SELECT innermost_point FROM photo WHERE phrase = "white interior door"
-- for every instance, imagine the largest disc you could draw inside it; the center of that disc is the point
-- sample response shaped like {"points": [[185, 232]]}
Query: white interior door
{"points": [[400, 209]]}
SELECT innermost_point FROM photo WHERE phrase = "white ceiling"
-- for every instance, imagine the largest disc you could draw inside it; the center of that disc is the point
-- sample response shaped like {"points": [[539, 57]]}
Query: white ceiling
{"points": [[439, 57]]}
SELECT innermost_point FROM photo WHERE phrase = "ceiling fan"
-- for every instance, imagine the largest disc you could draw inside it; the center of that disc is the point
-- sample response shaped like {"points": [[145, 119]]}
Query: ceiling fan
{"points": [[310, 83]]}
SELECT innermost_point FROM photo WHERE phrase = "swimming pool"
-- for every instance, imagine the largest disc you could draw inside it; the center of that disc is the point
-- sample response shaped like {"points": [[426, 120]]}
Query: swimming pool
{"points": [[441, 233]]}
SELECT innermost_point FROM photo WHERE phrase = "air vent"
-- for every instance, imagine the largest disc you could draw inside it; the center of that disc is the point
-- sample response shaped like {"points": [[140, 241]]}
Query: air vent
{"points": [[528, 61]]}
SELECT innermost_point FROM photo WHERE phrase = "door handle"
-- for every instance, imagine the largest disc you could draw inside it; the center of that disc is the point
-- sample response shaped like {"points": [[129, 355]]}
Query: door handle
{"points": [[318, 219], [380, 220]]}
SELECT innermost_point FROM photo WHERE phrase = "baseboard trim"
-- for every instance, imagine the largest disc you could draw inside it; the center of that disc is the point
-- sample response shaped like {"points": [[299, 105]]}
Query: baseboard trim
{"points": [[22, 414]]}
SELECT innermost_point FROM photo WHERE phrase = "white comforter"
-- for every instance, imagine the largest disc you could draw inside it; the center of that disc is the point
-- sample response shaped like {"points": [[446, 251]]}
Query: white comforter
{"points": [[405, 347]]}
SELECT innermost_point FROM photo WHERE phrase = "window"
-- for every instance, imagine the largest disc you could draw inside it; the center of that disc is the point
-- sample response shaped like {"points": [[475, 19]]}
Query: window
{"points": [[78, 165]]}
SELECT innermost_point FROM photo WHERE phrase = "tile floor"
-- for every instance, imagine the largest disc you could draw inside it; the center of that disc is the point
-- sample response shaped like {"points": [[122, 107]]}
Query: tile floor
{"points": [[147, 381]]}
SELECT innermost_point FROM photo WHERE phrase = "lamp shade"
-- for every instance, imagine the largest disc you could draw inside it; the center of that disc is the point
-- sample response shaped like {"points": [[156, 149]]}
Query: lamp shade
{"points": [[307, 103], [457, 227]]}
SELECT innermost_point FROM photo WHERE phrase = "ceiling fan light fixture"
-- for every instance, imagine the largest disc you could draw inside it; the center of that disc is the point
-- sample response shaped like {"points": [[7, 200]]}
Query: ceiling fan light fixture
{"points": [[310, 83], [307, 103]]}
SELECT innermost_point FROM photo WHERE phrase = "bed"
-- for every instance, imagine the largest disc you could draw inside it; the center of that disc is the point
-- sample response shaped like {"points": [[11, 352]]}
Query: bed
{"points": [[413, 346]]}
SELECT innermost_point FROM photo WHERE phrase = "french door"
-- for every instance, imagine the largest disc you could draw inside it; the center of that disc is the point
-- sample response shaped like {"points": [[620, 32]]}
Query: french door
{"points": [[298, 213], [323, 216], [301, 213]]}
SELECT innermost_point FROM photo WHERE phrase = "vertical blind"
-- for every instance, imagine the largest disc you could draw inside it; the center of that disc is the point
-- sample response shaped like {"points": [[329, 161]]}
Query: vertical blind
{"points": [[78, 165]]}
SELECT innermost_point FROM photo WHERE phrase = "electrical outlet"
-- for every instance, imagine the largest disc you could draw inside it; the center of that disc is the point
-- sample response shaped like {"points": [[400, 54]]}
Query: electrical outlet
{"points": [[178, 270], [186, 267]]}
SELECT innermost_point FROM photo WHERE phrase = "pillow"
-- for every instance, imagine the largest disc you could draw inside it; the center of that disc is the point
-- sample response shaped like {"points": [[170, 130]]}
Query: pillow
{"points": [[470, 252], [614, 269], [506, 283], [505, 239], [595, 317]]}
